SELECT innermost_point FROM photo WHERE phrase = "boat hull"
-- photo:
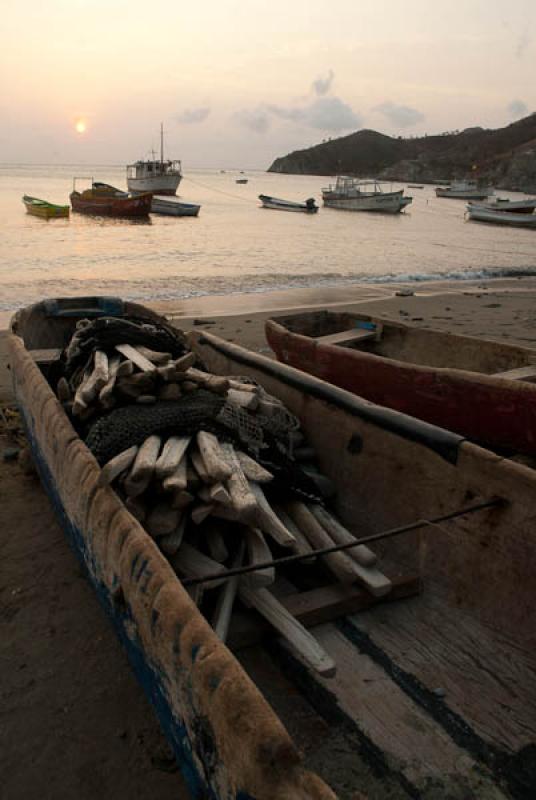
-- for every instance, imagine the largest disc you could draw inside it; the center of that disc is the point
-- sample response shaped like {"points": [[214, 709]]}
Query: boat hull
{"points": [[286, 205], [163, 184], [43, 209], [173, 208], [496, 412], [464, 194], [138, 206], [387, 202], [499, 217]]}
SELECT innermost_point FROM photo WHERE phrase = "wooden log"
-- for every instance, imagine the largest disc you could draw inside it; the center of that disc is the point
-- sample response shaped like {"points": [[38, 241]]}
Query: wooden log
{"points": [[101, 369], [242, 500], [106, 394], [217, 493], [213, 459], [167, 372], [199, 466], [124, 369], [153, 355], [181, 499], [162, 520], [241, 386], [137, 508], [252, 470], [143, 468], [201, 512], [302, 544], [268, 521], [214, 383], [113, 468], [258, 552], [340, 535], [299, 639], [224, 606], [191, 563], [248, 400], [171, 456], [345, 568], [136, 357], [178, 480], [171, 543], [184, 362]]}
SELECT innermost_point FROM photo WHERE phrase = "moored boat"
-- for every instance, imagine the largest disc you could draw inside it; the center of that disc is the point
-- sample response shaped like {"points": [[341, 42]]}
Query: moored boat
{"points": [[512, 206], [478, 388], [496, 216], [464, 190], [473, 620], [173, 207], [44, 209], [156, 176], [276, 203], [241, 180], [105, 200], [353, 194]]}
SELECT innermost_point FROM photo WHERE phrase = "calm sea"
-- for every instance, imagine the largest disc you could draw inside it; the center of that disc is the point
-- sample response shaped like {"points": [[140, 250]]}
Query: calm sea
{"points": [[234, 245]]}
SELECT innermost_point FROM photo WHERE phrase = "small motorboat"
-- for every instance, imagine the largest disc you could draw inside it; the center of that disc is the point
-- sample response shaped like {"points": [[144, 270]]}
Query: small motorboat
{"points": [[352, 194], [464, 190], [511, 206], [241, 180], [44, 209], [173, 207], [415, 186], [309, 206], [478, 213], [105, 200], [478, 388]]}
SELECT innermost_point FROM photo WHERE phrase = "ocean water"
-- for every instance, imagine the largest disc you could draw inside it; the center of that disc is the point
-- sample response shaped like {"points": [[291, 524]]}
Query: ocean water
{"points": [[235, 246]]}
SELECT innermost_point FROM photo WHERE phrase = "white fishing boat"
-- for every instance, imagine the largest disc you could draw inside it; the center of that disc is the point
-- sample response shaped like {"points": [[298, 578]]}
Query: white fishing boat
{"points": [[526, 206], [157, 176], [480, 213], [309, 206], [352, 194], [173, 207], [465, 190]]}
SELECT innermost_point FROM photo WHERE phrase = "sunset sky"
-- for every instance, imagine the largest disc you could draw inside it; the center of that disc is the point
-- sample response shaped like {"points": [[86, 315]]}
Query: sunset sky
{"points": [[239, 82]]}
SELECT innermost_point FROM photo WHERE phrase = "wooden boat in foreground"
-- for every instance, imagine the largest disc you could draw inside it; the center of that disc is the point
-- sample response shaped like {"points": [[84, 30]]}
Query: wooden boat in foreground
{"points": [[450, 671], [105, 200], [477, 388], [44, 209], [309, 206]]}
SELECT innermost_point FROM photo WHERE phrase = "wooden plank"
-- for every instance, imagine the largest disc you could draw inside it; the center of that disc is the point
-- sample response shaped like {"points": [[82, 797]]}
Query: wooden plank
{"points": [[519, 374], [346, 337], [45, 357]]}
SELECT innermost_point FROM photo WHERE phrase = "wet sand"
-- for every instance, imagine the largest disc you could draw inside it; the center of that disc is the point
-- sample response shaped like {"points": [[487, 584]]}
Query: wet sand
{"points": [[74, 722]]}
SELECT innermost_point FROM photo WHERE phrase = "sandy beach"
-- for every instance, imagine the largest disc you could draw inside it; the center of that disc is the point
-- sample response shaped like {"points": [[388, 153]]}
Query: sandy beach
{"points": [[75, 723]]}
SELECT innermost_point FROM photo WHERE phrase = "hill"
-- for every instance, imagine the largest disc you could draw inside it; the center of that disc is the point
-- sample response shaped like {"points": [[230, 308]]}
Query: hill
{"points": [[506, 156]]}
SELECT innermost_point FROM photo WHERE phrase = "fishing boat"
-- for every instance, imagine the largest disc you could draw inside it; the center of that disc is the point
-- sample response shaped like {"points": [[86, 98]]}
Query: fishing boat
{"points": [[105, 200], [415, 186], [512, 206], [455, 528], [496, 216], [156, 176], [352, 194], [241, 180], [309, 206], [481, 389], [464, 190], [44, 209], [172, 206]]}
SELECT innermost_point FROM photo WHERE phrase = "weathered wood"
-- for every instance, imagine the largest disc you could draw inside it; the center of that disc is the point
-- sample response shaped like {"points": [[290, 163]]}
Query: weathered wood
{"points": [[300, 640], [258, 552], [201, 512], [243, 501], [215, 542], [241, 386], [247, 400], [213, 383], [178, 480], [224, 606], [181, 499], [191, 563], [155, 356], [268, 521], [136, 357], [113, 468], [252, 470], [125, 368], [199, 466], [346, 337], [361, 553], [170, 544], [212, 456], [106, 394], [302, 544], [171, 456], [167, 372], [143, 468], [162, 519], [184, 362], [217, 493]]}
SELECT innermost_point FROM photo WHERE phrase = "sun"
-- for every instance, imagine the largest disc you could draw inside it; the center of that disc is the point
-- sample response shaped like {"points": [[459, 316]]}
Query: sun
{"points": [[80, 126]]}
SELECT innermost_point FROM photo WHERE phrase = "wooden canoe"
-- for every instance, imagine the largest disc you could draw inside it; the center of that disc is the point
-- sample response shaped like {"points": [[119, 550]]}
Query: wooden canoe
{"points": [[44, 209], [478, 388], [436, 691]]}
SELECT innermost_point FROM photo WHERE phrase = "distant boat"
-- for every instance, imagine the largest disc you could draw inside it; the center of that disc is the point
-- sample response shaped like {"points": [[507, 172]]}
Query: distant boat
{"points": [[482, 214], [465, 190], [173, 207], [352, 194], [309, 206], [159, 177], [241, 180], [415, 186], [44, 209], [511, 206], [105, 200]]}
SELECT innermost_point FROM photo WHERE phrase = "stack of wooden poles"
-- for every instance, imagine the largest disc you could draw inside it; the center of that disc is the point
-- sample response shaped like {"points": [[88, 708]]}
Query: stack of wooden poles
{"points": [[207, 504]]}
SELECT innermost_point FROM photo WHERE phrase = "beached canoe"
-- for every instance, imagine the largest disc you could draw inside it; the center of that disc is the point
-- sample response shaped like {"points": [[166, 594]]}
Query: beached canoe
{"points": [[44, 209], [475, 387], [438, 691]]}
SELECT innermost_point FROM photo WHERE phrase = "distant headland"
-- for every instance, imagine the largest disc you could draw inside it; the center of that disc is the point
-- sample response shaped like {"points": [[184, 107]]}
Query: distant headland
{"points": [[506, 156]]}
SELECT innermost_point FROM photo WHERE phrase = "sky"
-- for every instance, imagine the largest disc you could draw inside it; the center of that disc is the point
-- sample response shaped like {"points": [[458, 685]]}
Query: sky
{"points": [[238, 83]]}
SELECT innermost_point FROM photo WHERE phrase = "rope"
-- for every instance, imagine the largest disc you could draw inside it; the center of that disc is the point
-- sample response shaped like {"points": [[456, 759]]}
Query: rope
{"points": [[421, 523], [220, 191]]}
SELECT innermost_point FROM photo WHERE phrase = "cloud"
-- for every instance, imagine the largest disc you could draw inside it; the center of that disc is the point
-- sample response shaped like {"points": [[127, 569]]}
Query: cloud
{"points": [[191, 116], [256, 120], [517, 108], [322, 85], [326, 113], [403, 116]]}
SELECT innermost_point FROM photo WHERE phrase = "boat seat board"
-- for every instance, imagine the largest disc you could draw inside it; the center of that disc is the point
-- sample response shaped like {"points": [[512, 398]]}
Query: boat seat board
{"points": [[46, 356], [481, 671], [346, 337], [519, 374]]}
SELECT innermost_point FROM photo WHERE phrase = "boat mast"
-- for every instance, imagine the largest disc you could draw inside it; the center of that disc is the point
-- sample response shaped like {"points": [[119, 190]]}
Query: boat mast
{"points": [[161, 143]]}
